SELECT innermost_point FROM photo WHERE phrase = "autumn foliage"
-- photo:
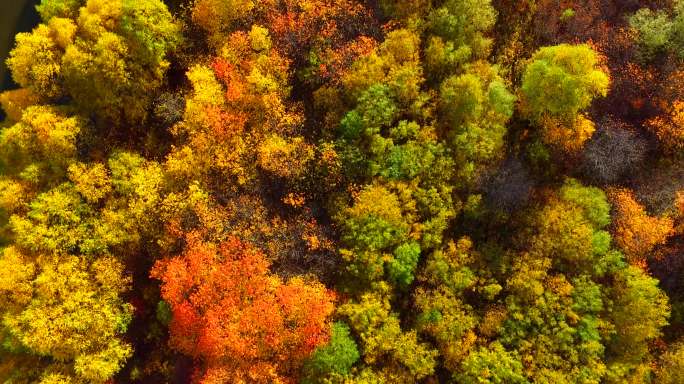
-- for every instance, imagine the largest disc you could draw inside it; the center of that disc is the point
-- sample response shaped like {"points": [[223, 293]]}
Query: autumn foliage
{"points": [[344, 192], [241, 323], [636, 232], [670, 128]]}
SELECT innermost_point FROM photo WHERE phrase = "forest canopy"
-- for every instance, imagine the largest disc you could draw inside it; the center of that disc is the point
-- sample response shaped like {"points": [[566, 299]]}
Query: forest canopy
{"points": [[344, 192]]}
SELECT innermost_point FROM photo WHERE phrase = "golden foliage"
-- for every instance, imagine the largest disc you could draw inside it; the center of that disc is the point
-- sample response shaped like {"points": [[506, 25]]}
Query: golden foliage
{"points": [[568, 136], [286, 158], [634, 230]]}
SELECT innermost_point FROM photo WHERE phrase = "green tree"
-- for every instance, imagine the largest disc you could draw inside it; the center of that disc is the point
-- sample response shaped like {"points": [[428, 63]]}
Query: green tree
{"points": [[458, 29], [373, 226], [560, 81], [655, 30], [334, 359], [569, 295], [659, 31], [475, 107]]}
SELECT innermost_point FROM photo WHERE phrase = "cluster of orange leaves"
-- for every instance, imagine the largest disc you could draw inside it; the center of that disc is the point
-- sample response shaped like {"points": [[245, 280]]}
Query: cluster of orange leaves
{"points": [[241, 323], [334, 29], [634, 231], [570, 136], [670, 129], [298, 23], [336, 61], [248, 71]]}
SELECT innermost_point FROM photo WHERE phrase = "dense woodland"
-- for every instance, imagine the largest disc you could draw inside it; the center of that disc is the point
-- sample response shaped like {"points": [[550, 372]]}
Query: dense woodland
{"points": [[344, 192]]}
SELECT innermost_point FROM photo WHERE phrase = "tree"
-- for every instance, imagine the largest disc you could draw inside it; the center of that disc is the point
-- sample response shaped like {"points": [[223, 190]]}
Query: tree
{"points": [[235, 110], [639, 311], [491, 364], [110, 59], [14, 103], [71, 218], [509, 187], [67, 309], [169, 108], [374, 225], [175, 192], [657, 189], [563, 293], [669, 129], [35, 62], [59, 8], [571, 20], [654, 29], [287, 159], [445, 315], [70, 228], [217, 16], [613, 153], [321, 37], [571, 228], [659, 31], [591, 200], [635, 232], [670, 369], [240, 322], [395, 63], [93, 183], [475, 108], [39, 148], [562, 80], [404, 10], [458, 29], [382, 136], [382, 339], [204, 122], [333, 360], [558, 83]]}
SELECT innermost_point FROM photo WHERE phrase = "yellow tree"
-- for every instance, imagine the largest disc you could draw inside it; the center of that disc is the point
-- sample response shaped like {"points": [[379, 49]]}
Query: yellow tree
{"points": [[66, 309], [109, 58]]}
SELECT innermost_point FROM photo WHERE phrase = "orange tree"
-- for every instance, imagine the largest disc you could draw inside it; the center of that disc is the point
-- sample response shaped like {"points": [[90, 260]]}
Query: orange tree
{"points": [[238, 321]]}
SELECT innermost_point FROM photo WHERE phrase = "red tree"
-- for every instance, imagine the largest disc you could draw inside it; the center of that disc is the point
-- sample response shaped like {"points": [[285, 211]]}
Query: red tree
{"points": [[240, 323]]}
